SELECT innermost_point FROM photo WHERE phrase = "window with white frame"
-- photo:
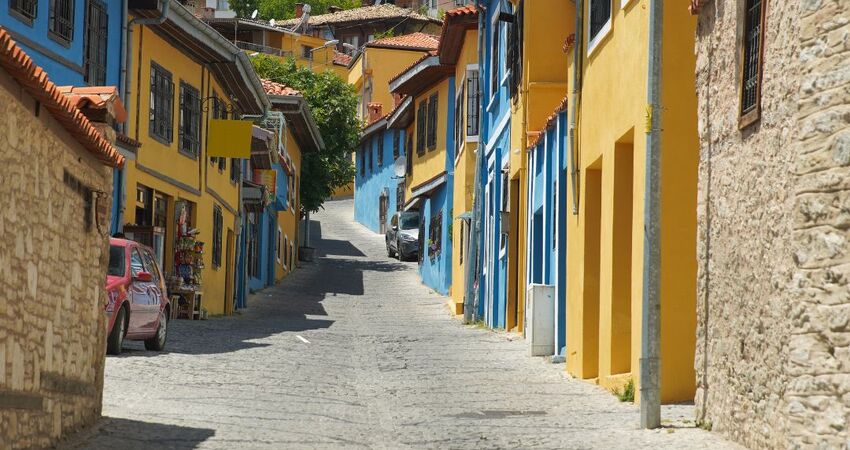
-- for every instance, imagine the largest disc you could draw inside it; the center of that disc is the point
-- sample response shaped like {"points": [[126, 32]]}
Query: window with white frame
{"points": [[494, 54], [473, 101], [278, 246], [599, 22]]}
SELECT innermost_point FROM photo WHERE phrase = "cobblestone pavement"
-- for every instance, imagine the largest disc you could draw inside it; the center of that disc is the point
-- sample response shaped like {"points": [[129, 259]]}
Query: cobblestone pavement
{"points": [[353, 352]]}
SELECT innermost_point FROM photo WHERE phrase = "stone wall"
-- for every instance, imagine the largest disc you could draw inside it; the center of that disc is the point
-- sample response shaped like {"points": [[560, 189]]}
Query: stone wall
{"points": [[818, 365], [52, 272], [745, 228]]}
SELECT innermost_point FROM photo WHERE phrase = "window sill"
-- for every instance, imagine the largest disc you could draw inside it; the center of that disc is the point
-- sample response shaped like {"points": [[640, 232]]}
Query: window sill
{"points": [[189, 155], [473, 138], [21, 17], [160, 139], [749, 118], [625, 3], [59, 39], [597, 40]]}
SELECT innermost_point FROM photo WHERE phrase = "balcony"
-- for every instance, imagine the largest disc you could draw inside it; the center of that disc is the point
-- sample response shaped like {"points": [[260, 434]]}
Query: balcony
{"points": [[252, 47]]}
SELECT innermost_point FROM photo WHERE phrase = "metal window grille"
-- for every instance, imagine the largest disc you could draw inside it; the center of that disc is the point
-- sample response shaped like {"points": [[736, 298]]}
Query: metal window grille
{"points": [[409, 160], [61, 23], [421, 123], [97, 32], [432, 121], [494, 60], [515, 37], [396, 144], [399, 196], [600, 14], [218, 224], [234, 170], [752, 56], [473, 103], [161, 103], [368, 151], [190, 119], [380, 150], [435, 235], [363, 161], [26, 9], [459, 117]]}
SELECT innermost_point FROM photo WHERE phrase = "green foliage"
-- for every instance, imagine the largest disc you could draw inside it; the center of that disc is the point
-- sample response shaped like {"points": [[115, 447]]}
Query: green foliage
{"points": [[385, 34], [285, 9], [333, 103], [627, 394], [243, 8]]}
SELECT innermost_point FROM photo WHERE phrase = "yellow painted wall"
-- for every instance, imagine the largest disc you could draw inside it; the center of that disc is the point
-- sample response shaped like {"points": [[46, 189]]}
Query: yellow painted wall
{"points": [[293, 43], [432, 162], [287, 220], [605, 245], [162, 167], [464, 178], [381, 65]]}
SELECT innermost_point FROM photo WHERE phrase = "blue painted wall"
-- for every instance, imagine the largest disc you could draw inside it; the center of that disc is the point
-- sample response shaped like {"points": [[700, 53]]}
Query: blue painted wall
{"points": [[436, 271], [64, 63], [495, 138], [376, 179]]}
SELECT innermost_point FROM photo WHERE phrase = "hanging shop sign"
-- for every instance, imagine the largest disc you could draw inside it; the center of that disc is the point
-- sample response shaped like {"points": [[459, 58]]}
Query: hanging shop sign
{"points": [[229, 138]]}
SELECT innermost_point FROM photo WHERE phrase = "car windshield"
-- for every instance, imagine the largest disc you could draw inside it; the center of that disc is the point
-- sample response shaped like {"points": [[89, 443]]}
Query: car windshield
{"points": [[409, 221], [116, 261]]}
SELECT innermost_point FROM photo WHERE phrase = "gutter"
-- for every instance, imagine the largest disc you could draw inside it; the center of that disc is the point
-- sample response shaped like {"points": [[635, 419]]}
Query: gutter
{"points": [[304, 111], [578, 59], [126, 61]]}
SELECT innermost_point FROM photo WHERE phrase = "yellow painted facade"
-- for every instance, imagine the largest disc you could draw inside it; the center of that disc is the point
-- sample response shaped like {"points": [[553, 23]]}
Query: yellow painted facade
{"points": [[297, 45], [287, 221], [605, 239], [464, 176], [430, 163], [173, 176], [371, 72], [546, 26]]}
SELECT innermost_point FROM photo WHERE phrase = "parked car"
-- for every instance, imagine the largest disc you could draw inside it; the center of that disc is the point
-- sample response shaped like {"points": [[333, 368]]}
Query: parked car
{"points": [[403, 235], [138, 307]]}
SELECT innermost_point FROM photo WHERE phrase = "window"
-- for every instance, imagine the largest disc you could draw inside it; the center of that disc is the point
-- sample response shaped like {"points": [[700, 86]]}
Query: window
{"points": [[462, 231], [396, 144], [600, 21], [26, 10], [97, 30], [61, 23], [363, 161], [368, 151], [409, 160], [432, 122], [473, 102], [285, 251], [459, 116], [218, 224], [421, 120], [506, 207], [399, 196], [751, 73], [160, 211], [235, 165], [278, 246], [380, 150], [219, 112], [494, 56], [190, 120], [514, 50], [150, 264], [306, 52], [435, 233], [116, 266], [162, 104], [136, 264]]}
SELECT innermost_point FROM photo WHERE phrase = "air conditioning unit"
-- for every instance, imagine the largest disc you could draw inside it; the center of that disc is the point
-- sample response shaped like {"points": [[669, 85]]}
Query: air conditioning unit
{"points": [[540, 319]]}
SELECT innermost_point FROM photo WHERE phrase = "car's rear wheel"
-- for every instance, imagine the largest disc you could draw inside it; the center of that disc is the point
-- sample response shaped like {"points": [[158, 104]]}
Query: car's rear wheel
{"points": [[157, 343], [400, 253], [389, 250], [116, 338]]}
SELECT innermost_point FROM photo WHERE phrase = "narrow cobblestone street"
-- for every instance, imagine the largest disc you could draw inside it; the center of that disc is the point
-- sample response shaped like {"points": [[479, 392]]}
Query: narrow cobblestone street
{"points": [[353, 352]]}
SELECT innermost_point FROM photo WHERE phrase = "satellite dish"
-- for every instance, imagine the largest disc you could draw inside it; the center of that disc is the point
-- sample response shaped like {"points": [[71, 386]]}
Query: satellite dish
{"points": [[399, 166], [307, 9], [272, 22], [254, 14]]}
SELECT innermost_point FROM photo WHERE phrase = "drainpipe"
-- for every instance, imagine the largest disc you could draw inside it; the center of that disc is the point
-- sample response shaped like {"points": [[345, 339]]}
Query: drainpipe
{"points": [[650, 363], [578, 58], [126, 60], [470, 299]]}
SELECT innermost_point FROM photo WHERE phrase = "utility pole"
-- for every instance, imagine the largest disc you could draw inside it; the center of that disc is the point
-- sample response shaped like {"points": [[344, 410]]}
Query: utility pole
{"points": [[650, 361]]}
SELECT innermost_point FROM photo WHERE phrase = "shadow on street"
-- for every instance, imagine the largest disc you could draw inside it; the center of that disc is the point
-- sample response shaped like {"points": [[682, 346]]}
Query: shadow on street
{"points": [[129, 434]]}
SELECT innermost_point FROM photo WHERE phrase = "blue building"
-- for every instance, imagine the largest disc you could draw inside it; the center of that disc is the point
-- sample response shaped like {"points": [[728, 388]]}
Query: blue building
{"points": [[378, 188], [78, 43]]}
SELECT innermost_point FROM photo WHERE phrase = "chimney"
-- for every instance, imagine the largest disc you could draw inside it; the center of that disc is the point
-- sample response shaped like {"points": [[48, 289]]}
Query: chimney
{"points": [[375, 112], [299, 10], [333, 9], [100, 104], [396, 99]]}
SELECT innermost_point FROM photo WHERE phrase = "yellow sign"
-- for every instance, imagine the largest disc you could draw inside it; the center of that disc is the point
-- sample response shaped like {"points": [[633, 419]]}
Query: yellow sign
{"points": [[229, 138]]}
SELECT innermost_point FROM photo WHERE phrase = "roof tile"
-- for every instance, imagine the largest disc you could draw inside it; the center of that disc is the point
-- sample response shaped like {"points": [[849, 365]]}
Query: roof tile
{"points": [[383, 11], [274, 88], [36, 82], [418, 41]]}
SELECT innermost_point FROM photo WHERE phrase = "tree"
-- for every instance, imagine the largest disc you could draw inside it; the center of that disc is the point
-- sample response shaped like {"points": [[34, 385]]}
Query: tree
{"points": [[243, 8], [285, 9], [333, 103]]}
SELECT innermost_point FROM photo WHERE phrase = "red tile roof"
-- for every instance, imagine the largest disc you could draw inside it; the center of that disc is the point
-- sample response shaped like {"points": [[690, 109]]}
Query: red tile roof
{"points": [[468, 10], [35, 81], [342, 59], [453, 33], [274, 88], [550, 122], [415, 41], [414, 64], [365, 14], [96, 97]]}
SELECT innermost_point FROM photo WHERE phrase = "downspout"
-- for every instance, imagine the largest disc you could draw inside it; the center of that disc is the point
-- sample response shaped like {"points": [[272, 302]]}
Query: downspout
{"points": [[470, 299], [126, 61], [650, 364], [578, 58]]}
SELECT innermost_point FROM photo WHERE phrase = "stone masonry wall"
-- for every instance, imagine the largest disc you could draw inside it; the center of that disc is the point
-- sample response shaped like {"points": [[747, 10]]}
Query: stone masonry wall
{"points": [[52, 274], [818, 366], [745, 228]]}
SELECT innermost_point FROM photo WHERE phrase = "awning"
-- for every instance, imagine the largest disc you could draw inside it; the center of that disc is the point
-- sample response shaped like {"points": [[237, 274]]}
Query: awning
{"points": [[263, 148], [253, 196], [424, 190], [465, 216]]}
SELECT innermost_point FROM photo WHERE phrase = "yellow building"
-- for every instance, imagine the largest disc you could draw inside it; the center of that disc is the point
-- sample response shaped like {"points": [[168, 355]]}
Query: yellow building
{"points": [[256, 36], [301, 135], [605, 239], [177, 195]]}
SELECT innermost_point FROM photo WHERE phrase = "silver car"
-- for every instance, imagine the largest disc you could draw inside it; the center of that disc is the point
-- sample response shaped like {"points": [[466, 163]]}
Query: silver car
{"points": [[403, 235]]}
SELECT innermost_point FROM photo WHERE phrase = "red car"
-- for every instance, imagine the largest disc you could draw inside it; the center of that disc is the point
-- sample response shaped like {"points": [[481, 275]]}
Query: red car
{"points": [[138, 307]]}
